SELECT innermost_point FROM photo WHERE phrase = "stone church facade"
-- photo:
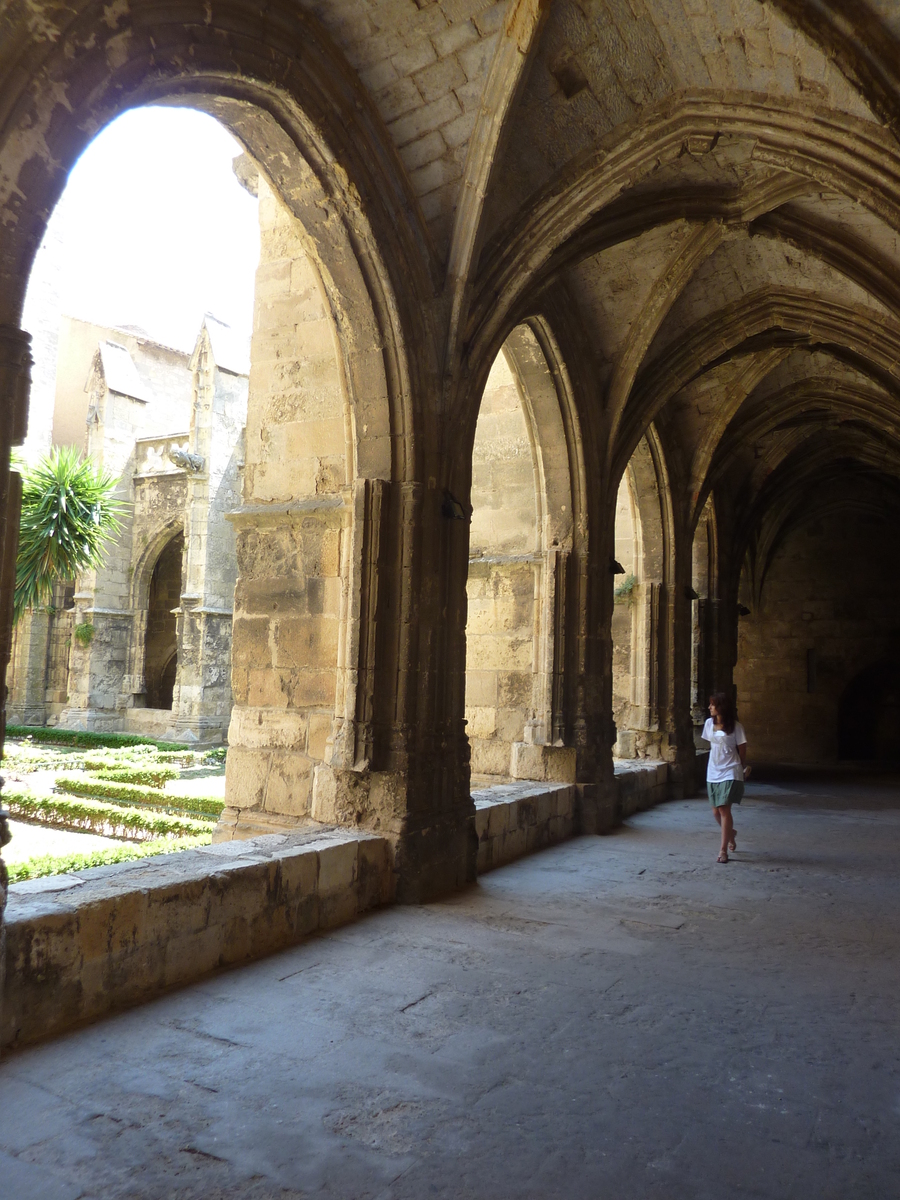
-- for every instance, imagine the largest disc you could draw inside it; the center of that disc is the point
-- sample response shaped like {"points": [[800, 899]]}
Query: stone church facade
{"points": [[656, 242], [143, 643]]}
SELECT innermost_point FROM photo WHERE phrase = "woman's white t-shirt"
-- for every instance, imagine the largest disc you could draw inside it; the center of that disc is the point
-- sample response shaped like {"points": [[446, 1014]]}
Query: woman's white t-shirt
{"points": [[724, 759]]}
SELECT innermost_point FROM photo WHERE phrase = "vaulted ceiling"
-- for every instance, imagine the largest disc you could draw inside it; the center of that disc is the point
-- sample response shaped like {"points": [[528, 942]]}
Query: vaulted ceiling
{"points": [[701, 197]]}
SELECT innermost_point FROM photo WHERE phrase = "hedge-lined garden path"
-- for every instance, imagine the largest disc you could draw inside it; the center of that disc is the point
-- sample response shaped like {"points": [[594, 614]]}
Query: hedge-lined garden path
{"points": [[30, 840], [33, 840]]}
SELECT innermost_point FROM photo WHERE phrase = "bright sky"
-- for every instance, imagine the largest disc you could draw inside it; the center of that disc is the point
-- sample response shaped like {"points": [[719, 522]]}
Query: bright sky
{"points": [[152, 230]]}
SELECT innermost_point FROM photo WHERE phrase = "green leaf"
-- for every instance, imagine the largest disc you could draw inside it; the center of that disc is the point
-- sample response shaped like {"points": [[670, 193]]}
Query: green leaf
{"points": [[69, 514]]}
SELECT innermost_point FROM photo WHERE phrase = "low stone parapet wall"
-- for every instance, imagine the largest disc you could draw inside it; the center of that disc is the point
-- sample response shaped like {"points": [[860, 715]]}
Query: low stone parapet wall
{"points": [[512, 819], [641, 783], [80, 946]]}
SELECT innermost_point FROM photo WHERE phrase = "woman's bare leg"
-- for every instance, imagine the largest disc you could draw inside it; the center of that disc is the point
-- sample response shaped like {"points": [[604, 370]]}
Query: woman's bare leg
{"points": [[727, 826]]}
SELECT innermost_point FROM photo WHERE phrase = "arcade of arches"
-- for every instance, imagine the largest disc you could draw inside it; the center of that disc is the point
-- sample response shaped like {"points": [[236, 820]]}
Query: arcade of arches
{"points": [[549, 288]]}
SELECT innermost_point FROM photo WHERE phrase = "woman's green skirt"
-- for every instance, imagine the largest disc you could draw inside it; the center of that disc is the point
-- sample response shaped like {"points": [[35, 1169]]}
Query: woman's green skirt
{"points": [[728, 791]]}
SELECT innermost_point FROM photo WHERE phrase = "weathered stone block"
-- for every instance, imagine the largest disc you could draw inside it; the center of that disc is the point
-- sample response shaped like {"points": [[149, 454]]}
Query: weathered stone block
{"points": [[192, 955], [302, 641], [375, 880], [481, 722], [337, 867], [299, 871], [481, 689], [513, 845], [289, 783], [551, 763], [337, 908], [309, 688], [498, 819], [320, 726], [246, 774]]}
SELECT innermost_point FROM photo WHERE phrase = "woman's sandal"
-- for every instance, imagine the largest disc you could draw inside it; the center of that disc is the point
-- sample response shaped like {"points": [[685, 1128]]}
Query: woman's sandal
{"points": [[723, 858], [732, 845]]}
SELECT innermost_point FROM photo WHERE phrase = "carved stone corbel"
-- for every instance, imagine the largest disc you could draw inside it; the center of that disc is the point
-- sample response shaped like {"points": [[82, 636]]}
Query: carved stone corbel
{"points": [[186, 460]]}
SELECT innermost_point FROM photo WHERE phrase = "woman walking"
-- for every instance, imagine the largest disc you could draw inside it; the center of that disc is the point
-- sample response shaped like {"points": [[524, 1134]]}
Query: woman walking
{"points": [[725, 772]]}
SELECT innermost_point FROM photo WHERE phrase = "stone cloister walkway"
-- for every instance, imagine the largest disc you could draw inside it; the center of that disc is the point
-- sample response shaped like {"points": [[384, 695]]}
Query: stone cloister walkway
{"points": [[616, 1017]]}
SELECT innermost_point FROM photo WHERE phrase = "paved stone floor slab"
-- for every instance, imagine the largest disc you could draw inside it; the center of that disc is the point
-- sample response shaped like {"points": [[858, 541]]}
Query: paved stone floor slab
{"points": [[617, 1018]]}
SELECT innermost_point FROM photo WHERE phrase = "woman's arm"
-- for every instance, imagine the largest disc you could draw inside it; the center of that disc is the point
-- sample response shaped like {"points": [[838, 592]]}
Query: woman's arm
{"points": [[742, 751]]}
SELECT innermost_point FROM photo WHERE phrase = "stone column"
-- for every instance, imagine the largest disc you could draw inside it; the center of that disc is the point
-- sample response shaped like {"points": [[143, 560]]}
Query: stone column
{"points": [[349, 676], [15, 374], [204, 699], [204, 672], [676, 712], [100, 663], [709, 621], [28, 678], [588, 688], [645, 731], [543, 754], [398, 761]]}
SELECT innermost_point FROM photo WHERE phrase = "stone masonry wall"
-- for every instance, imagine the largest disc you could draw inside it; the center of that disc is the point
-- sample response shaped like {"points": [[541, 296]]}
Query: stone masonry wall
{"points": [[499, 660], [289, 539]]}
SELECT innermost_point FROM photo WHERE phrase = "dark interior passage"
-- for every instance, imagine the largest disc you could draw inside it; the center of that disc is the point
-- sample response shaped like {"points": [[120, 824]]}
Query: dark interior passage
{"points": [[161, 657], [869, 714], [818, 672]]}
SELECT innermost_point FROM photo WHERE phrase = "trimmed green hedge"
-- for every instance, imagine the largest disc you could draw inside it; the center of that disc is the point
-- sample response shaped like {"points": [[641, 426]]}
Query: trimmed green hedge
{"points": [[61, 864], [206, 806], [133, 758], [86, 737], [25, 764], [108, 820], [184, 758], [150, 776]]}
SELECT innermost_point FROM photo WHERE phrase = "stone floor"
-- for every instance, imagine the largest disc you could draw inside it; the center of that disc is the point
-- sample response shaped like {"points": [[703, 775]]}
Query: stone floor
{"points": [[615, 1018]]}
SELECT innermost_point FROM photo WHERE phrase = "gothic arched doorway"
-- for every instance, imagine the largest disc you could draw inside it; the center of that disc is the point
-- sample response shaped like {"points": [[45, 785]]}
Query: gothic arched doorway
{"points": [[161, 644]]}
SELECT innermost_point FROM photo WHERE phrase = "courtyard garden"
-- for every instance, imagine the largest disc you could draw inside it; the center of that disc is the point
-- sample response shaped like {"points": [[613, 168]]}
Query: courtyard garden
{"points": [[79, 799]]}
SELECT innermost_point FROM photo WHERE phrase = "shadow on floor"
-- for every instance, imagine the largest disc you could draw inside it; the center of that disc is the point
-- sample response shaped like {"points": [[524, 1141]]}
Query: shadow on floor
{"points": [[846, 786]]}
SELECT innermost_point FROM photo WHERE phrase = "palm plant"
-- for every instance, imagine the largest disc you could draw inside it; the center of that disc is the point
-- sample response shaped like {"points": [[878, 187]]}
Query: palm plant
{"points": [[68, 515]]}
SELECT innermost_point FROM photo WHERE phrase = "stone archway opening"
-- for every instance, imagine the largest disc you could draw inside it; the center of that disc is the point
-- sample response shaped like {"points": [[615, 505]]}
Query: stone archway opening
{"points": [[161, 640], [504, 543], [639, 621], [130, 372], [703, 616], [525, 530], [627, 580]]}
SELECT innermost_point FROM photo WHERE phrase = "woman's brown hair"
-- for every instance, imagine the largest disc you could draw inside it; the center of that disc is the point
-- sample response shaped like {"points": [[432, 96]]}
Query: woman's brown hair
{"points": [[725, 709]]}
